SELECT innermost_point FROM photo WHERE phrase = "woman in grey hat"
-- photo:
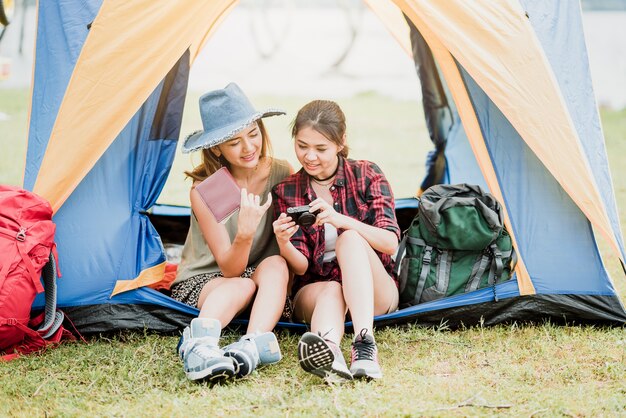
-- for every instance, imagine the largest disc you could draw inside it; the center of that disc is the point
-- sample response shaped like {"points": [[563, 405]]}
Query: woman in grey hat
{"points": [[231, 266]]}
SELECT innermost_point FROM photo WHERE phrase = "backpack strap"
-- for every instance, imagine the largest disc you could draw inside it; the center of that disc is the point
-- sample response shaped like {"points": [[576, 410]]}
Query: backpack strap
{"points": [[480, 265], [493, 276], [513, 255], [402, 250], [399, 256], [442, 278], [57, 322], [497, 260], [51, 321], [416, 241], [20, 237], [421, 282]]}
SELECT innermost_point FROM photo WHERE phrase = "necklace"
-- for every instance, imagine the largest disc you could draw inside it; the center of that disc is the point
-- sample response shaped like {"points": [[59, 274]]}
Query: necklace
{"points": [[321, 181], [316, 181]]}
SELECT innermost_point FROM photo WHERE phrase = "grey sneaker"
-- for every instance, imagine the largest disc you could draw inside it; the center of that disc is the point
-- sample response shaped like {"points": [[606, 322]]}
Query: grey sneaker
{"points": [[253, 350], [269, 350], [244, 355], [321, 357], [202, 358], [364, 361]]}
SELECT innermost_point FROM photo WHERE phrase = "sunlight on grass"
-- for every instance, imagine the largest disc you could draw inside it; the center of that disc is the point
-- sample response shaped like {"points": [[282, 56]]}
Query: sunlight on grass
{"points": [[511, 370]]}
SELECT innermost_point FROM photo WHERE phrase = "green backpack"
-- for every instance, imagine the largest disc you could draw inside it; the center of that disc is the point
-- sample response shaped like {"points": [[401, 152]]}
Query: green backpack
{"points": [[456, 244]]}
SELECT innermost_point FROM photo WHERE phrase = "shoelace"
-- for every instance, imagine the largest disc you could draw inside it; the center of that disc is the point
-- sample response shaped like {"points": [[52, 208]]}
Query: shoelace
{"points": [[325, 334], [363, 350]]}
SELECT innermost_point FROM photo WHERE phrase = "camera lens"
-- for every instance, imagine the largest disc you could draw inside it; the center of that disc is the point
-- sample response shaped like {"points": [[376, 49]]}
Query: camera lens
{"points": [[306, 219]]}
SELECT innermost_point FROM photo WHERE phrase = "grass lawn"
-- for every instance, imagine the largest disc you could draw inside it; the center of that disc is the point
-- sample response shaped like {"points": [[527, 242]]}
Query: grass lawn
{"points": [[517, 370]]}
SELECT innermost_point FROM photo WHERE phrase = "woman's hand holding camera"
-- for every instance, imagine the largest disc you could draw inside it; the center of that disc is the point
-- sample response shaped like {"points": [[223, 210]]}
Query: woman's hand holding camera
{"points": [[284, 228], [250, 213], [326, 214]]}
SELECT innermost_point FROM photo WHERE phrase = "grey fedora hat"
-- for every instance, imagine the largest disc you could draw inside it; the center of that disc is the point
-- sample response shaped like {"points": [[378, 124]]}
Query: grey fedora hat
{"points": [[224, 113]]}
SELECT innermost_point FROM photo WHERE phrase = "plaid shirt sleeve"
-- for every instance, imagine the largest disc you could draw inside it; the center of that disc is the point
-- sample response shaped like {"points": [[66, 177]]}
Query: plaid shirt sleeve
{"points": [[285, 195], [380, 200]]}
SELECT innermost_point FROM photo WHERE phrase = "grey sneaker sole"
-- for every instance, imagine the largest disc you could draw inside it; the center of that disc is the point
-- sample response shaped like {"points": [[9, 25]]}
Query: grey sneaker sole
{"points": [[316, 357], [217, 372], [365, 372]]}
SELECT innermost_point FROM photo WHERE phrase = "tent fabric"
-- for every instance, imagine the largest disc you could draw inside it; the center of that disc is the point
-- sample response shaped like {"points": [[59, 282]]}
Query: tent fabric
{"points": [[496, 44], [105, 222], [131, 66], [437, 111], [571, 69], [60, 39], [474, 134], [110, 80], [148, 276]]}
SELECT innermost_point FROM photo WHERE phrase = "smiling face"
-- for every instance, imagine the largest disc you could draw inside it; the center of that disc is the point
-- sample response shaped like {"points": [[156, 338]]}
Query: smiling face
{"points": [[243, 150], [316, 153], [319, 132]]}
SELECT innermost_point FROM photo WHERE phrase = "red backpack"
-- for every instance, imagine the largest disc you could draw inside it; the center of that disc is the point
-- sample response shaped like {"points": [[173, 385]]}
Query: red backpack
{"points": [[27, 250]]}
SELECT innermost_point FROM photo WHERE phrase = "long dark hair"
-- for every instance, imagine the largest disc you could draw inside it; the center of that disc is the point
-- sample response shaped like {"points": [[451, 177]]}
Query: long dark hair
{"points": [[211, 163], [327, 118]]}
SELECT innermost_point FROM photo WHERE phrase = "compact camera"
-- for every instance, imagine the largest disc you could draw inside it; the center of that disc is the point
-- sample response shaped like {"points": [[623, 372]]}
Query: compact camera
{"points": [[302, 215]]}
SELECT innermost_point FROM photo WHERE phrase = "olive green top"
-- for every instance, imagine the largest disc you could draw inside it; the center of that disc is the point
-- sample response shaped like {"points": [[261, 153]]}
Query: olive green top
{"points": [[197, 257]]}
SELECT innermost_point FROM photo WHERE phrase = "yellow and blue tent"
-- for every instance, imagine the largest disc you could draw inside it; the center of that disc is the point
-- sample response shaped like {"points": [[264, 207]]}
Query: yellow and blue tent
{"points": [[508, 100]]}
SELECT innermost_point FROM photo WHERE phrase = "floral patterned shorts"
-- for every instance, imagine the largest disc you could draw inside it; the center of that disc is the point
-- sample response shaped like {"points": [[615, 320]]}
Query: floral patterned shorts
{"points": [[188, 291]]}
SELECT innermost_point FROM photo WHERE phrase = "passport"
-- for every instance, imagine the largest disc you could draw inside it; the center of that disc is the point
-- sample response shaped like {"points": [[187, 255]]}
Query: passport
{"points": [[221, 194]]}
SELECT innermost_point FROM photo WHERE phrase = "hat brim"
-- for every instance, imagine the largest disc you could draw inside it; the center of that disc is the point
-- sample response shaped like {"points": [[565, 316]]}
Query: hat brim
{"points": [[201, 139]]}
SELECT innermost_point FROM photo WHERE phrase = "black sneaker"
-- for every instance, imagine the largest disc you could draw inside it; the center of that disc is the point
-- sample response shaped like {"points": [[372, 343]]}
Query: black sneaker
{"points": [[322, 358], [364, 361]]}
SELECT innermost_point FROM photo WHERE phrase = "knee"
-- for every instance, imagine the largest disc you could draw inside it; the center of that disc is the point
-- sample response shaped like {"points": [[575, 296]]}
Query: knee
{"points": [[332, 291], [275, 263], [244, 287], [349, 246], [272, 271], [349, 238]]}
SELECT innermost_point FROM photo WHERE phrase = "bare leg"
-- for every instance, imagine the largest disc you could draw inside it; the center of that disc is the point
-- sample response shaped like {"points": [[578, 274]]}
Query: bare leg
{"points": [[322, 305], [271, 278], [367, 287], [223, 298]]}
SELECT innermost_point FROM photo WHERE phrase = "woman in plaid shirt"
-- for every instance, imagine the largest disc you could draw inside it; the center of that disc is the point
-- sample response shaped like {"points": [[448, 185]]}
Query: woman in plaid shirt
{"points": [[342, 262]]}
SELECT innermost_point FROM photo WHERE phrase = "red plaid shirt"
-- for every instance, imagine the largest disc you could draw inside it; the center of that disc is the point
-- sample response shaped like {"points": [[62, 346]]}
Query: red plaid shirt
{"points": [[360, 190]]}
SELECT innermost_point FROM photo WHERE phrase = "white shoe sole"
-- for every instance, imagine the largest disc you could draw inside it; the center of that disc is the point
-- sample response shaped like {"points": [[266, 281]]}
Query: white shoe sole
{"points": [[359, 373]]}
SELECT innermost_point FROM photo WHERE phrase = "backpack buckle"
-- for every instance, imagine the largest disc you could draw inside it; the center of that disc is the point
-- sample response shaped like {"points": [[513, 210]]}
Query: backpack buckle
{"points": [[21, 235], [427, 256]]}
